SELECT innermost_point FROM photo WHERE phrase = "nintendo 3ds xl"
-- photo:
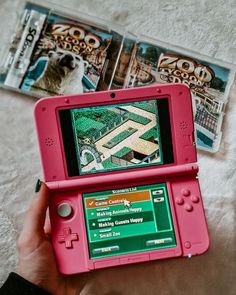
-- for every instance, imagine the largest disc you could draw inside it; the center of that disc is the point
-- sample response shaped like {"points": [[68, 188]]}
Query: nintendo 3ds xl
{"points": [[122, 170]]}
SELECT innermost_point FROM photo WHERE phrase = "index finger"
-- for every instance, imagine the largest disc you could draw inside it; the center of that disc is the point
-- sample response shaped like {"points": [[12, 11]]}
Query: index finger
{"points": [[36, 214]]}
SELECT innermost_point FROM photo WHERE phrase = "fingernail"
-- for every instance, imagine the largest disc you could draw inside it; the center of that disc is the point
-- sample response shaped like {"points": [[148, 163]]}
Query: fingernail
{"points": [[38, 185]]}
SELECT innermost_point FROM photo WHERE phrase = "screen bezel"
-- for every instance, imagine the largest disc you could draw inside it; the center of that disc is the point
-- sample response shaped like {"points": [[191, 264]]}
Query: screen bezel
{"points": [[69, 148]]}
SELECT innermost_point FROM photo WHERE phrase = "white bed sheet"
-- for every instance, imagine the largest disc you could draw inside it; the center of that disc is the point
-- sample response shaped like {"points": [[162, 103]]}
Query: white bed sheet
{"points": [[205, 26]]}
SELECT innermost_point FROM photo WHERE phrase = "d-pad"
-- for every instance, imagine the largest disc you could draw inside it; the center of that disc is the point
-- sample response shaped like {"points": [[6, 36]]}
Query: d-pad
{"points": [[68, 237]]}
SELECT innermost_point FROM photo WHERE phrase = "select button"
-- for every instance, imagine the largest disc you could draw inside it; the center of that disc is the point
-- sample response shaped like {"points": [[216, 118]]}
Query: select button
{"points": [[106, 250]]}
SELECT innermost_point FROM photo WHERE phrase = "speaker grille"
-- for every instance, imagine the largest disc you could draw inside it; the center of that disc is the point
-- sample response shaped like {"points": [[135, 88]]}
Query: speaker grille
{"points": [[183, 125], [49, 141]]}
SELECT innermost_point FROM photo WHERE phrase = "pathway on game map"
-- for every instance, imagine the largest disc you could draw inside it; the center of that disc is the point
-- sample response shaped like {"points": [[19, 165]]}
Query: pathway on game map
{"points": [[134, 141]]}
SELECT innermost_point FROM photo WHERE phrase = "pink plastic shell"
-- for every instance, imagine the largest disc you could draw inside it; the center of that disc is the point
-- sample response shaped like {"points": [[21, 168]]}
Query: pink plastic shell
{"points": [[180, 177]]}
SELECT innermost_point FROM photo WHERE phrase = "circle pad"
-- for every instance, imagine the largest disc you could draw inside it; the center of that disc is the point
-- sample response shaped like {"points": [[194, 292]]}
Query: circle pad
{"points": [[64, 210]]}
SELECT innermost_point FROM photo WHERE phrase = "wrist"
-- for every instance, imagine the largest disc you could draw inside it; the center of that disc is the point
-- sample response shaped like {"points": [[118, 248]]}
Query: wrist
{"points": [[16, 283]]}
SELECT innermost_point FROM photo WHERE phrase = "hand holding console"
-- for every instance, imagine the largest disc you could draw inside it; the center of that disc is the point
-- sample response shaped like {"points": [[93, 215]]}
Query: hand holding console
{"points": [[121, 167]]}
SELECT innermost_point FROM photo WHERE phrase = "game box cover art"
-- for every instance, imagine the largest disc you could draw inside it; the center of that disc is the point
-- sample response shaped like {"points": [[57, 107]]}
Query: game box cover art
{"points": [[117, 137], [207, 82], [65, 57], [53, 52], [68, 58]]}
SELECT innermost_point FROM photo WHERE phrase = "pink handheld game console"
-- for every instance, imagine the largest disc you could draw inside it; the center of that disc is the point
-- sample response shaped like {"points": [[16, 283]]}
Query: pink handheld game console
{"points": [[122, 171]]}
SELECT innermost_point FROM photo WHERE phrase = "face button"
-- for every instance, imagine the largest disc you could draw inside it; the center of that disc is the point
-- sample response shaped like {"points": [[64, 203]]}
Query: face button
{"points": [[64, 210], [187, 245], [67, 237], [179, 200], [195, 199], [188, 207], [185, 192]]}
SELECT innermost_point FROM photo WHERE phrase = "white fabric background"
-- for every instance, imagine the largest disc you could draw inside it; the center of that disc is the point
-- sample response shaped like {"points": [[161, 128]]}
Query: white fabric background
{"points": [[208, 27]]}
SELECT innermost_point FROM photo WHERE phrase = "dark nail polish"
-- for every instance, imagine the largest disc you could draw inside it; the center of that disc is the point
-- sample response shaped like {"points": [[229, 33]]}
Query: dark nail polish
{"points": [[38, 185]]}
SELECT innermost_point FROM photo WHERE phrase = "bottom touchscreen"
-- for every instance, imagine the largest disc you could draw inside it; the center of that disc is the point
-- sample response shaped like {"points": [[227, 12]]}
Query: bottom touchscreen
{"points": [[128, 220]]}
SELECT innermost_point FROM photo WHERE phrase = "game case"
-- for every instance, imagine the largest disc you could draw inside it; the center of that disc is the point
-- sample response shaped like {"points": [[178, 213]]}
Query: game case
{"points": [[209, 82], [119, 56], [123, 67], [54, 52]]}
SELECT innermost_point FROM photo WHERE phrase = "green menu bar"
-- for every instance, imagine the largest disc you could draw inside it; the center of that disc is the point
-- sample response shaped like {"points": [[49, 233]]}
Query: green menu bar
{"points": [[128, 220]]}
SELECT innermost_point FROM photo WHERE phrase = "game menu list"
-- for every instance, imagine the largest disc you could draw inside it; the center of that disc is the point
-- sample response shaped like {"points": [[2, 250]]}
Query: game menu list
{"points": [[128, 220]]}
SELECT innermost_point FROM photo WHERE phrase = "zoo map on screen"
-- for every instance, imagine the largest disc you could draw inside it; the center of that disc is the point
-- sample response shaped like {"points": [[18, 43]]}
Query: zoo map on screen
{"points": [[115, 137]]}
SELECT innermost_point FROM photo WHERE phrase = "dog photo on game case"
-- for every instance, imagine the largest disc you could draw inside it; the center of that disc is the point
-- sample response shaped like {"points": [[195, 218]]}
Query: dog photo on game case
{"points": [[68, 58], [57, 55]]}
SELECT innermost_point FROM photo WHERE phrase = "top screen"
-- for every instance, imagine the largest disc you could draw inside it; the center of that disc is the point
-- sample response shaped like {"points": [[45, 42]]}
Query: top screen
{"points": [[116, 137]]}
